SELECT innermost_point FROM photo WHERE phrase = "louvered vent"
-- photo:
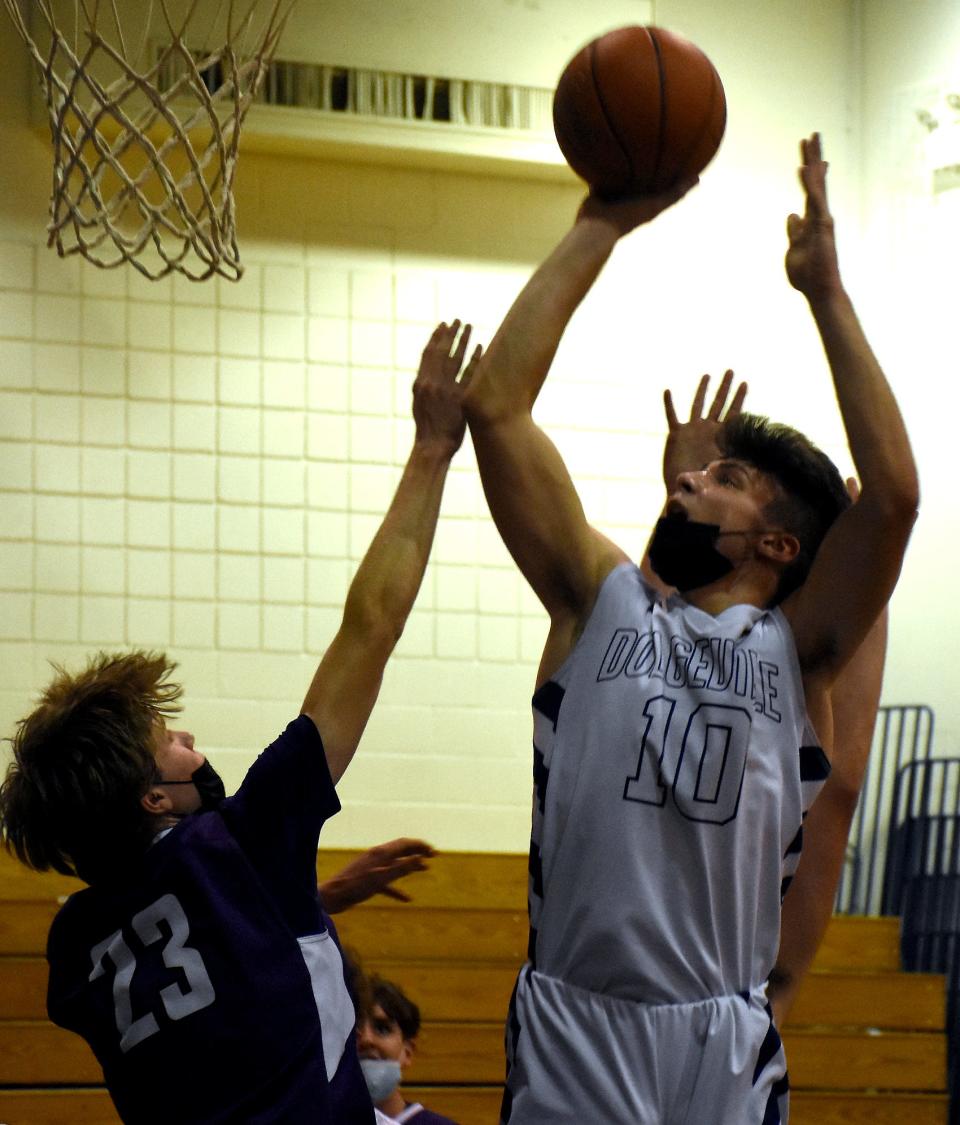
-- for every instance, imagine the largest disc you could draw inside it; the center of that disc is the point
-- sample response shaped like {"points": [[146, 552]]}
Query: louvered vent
{"points": [[384, 94]]}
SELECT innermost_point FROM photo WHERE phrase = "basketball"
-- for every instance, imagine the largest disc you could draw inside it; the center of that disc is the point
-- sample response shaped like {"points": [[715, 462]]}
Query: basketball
{"points": [[637, 110]]}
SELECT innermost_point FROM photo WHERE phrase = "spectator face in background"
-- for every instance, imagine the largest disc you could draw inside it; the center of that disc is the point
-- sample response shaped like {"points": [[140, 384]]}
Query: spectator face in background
{"points": [[379, 1037], [386, 1036]]}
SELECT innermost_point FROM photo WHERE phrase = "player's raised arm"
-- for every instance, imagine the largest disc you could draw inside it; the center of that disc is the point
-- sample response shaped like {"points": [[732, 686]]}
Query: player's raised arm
{"points": [[528, 488], [383, 590], [859, 561], [809, 901]]}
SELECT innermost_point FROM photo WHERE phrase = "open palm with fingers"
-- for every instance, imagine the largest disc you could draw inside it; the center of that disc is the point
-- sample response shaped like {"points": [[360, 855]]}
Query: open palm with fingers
{"points": [[439, 386], [695, 442], [811, 260]]}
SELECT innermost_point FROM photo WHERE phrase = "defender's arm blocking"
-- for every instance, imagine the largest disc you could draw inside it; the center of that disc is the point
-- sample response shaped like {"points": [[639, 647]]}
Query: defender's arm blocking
{"points": [[383, 591], [859, 561]]}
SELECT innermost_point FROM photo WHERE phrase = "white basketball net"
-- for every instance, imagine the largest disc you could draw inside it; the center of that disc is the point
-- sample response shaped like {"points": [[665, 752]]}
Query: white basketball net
{"points": [[145, 139]]}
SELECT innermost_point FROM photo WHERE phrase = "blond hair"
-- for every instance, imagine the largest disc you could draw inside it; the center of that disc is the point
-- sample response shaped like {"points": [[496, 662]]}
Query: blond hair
{"points": [[82, 760]]}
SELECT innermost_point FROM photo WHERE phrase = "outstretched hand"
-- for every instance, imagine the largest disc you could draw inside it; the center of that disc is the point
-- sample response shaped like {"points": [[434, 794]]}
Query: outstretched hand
{"points": [[811, 260], [373, 872], [437, 391], [629, 211], [692, 444]]}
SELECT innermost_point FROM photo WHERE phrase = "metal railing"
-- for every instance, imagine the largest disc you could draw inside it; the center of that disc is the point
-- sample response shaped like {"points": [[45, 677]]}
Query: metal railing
{"points": [[903, 735], [922, 885]]}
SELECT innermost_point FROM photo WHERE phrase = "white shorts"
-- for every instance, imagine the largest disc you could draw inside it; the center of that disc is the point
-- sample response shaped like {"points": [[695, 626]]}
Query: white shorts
{"points": [[579, 1058]]}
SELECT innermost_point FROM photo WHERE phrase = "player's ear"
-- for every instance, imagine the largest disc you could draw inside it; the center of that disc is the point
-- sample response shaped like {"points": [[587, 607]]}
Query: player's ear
{"points": [[407, 1051], [779, 546], [156, 801]]}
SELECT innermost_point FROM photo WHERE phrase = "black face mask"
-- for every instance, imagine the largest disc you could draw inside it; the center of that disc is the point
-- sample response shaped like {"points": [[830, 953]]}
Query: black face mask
{"points": [[209, 785], [683, 553]]}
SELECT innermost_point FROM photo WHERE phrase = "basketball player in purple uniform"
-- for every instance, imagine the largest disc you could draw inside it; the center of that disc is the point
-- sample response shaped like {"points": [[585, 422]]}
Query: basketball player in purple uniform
{"points": [[197, 964], [678, 742]]}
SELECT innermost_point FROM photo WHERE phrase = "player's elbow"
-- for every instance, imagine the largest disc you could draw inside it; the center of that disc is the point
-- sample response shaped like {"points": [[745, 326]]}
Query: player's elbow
{"points": [[483, 410], [375, 623], [842, 791], [892, 511], [898, 501], [489, 399], [905, 501]]}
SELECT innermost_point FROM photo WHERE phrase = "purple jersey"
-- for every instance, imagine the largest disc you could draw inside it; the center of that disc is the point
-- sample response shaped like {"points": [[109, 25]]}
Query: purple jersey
{"points": [[214, 962]]}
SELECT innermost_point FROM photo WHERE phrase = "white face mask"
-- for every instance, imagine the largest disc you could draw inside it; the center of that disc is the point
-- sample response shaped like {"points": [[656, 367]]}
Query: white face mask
{"points": [[382, 1077]]}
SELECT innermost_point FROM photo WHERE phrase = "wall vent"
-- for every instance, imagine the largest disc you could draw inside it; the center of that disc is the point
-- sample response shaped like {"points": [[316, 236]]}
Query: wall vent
{"points": [[451, 84], [356, 113], [387, 94]]}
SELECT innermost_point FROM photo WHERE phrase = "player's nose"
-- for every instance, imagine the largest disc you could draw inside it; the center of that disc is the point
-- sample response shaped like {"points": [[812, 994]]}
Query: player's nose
{"points": [[689, 481]]}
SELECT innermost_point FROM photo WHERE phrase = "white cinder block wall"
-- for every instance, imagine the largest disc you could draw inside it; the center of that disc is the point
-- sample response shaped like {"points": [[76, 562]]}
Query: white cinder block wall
{"points": [[911, 243], [199, 467]]}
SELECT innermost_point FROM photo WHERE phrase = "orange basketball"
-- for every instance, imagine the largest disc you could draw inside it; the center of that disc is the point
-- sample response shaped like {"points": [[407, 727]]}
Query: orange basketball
{"points": [[637, 110]]}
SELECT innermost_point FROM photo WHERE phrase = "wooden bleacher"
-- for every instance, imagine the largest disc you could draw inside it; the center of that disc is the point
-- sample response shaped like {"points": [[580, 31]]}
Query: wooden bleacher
{"points": [[865, 1042]]}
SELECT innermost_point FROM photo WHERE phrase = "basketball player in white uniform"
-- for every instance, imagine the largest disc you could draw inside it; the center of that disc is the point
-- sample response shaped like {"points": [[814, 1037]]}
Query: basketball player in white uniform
{"points": [[678, 742], [854, 700]]}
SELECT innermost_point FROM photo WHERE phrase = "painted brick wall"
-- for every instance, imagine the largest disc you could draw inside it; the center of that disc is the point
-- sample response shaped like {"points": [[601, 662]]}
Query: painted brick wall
{"points": [[199, 467]]}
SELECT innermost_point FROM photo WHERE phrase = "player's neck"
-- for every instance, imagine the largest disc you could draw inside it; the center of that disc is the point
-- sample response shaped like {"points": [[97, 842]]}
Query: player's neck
{"points": [[743, 586], [162, 824], [394, 1105]]}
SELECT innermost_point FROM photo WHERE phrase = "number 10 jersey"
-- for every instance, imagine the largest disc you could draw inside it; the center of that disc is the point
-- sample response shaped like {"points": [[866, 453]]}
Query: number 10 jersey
{"points": [[673, 764]]}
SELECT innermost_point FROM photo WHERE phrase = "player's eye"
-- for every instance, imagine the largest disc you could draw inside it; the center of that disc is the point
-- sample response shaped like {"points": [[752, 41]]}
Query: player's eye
{"points": [[382, 1027]]}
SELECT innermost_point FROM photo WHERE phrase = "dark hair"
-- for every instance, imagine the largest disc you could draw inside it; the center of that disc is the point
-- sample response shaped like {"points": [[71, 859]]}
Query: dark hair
{"points": [[813, 492], [81, 762], [396, 1004]]}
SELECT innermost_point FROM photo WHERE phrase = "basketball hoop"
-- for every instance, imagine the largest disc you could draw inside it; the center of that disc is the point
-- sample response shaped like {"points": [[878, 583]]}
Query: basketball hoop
{"points": [[145, 127]]}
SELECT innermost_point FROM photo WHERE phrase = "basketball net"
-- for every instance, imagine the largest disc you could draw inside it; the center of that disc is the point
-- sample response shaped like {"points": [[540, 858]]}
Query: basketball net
{"points": [[146, 135]]}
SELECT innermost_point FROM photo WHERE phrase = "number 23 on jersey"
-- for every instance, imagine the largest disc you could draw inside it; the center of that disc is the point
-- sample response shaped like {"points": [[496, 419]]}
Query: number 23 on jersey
{"points": [[175, 999]]}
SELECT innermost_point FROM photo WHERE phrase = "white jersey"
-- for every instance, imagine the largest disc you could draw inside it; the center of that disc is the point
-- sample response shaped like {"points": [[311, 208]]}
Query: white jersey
{"points": [[673, 765]]}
